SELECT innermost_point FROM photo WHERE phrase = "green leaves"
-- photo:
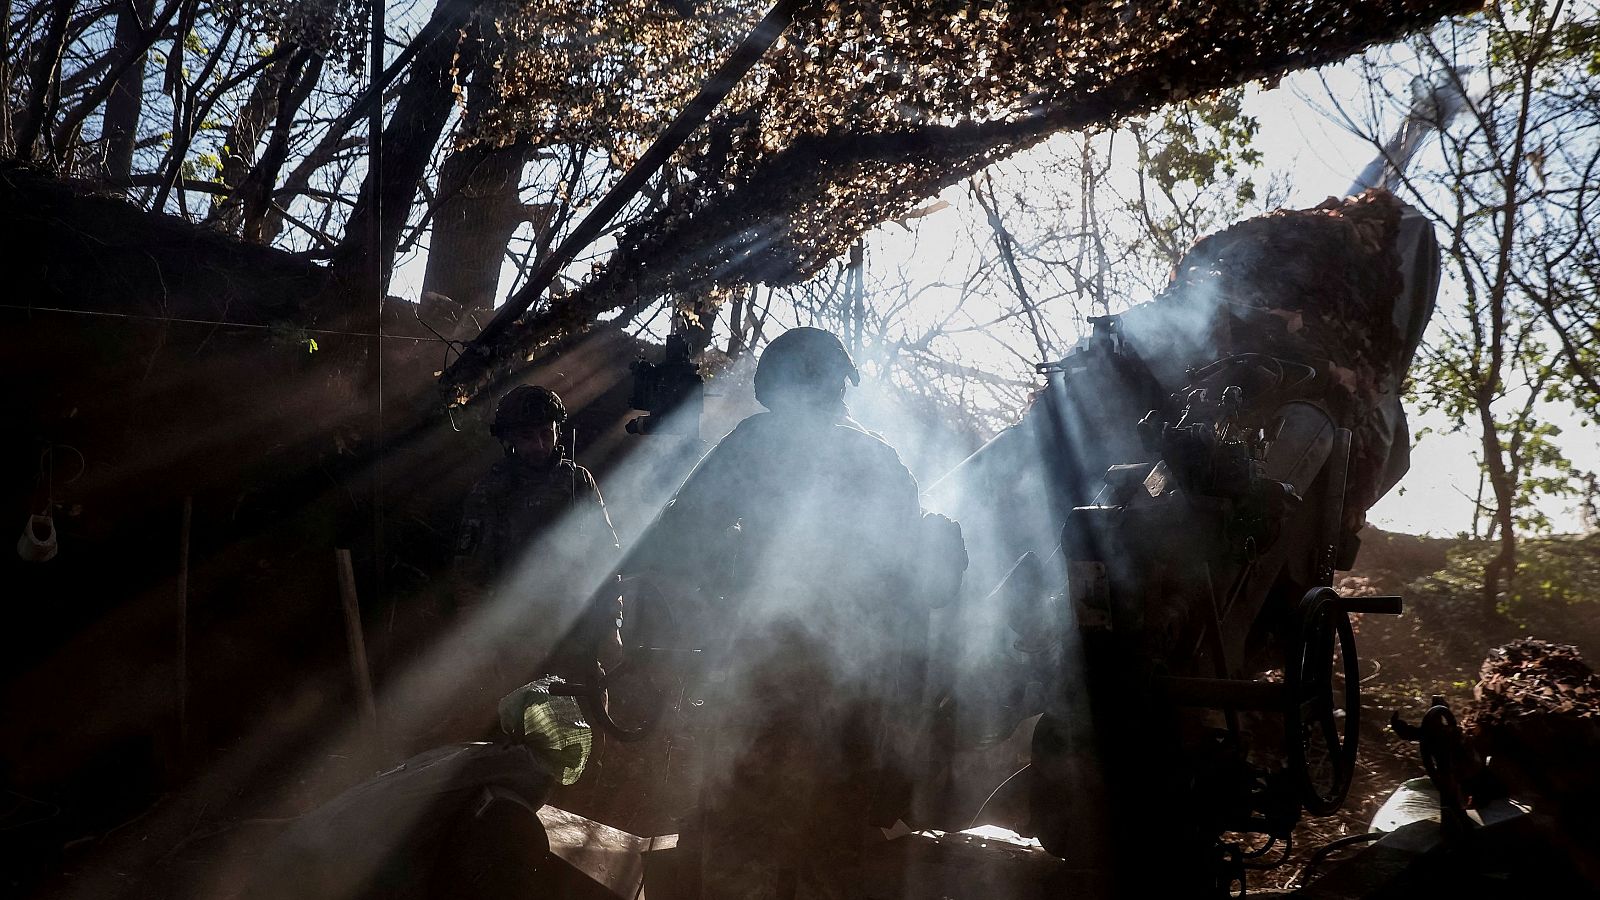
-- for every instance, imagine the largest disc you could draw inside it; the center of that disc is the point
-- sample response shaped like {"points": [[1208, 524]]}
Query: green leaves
{"points": [[1202, 141]]}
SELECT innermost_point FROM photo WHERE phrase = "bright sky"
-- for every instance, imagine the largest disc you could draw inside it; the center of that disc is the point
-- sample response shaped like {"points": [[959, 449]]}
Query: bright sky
{"points": [[1436, 497]]}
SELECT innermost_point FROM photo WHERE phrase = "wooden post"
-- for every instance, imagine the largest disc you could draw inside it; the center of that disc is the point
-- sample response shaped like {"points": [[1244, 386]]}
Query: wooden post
{"points": [[358, 648]]}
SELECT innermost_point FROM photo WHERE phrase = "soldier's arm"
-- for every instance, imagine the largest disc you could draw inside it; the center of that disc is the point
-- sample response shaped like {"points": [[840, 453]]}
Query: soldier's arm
{"points": [[935, 554], [601, 629], [591, 506]]}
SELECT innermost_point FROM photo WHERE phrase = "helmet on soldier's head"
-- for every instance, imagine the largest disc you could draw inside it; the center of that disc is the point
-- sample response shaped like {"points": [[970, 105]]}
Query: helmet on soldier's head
{"points": [[527, 404], [805, 365]]}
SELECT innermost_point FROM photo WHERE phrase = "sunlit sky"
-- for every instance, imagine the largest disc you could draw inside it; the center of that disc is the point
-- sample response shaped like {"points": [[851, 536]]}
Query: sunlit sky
{"points": [[1318, 158], [1436, 496]]}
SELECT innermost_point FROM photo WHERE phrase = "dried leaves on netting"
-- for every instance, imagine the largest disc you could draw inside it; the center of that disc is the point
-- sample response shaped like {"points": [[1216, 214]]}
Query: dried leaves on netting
{"points": [[598, 73], [1318, 286], [1536, 715], [335, 28], [867, 107], [1530, 677]]}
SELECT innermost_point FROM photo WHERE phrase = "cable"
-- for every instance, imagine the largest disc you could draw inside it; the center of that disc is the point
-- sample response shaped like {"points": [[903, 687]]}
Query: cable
{"points": [[47, 473], [1283, 855], [449, 344], [992, 794], [1321, 853], [180, 320], [83, 464]]}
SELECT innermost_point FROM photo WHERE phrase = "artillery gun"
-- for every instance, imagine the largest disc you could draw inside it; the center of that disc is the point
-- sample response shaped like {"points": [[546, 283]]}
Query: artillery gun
{"points": [[1209, 458], [1207, 461]]}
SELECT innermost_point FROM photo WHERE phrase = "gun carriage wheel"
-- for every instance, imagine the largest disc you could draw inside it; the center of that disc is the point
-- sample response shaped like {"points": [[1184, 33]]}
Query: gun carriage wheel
{"points": [[1322, 715], [594, 698]]}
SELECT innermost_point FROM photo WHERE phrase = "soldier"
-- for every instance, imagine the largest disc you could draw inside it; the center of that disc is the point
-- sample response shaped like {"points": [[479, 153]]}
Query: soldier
{"points": [[803, 532], [534, 537]]}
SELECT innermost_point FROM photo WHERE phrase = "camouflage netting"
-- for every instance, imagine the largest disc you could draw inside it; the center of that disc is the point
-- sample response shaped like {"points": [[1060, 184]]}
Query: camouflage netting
{"points": [[1530, 677], [1536, 714], [866, 109], [1319, 286]]}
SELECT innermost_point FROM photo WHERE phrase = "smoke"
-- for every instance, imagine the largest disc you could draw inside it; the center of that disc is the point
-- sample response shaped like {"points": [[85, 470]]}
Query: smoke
{"points": [[807, 572], [807, 575]]}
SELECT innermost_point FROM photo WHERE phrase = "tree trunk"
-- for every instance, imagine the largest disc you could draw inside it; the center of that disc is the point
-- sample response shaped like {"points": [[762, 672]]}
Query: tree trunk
{"points": [[696, 326], [122, 59], [424, 107], [736, 322], [478, 209], [304, 69], [120, 121], [299, 179], [239, 147], [1505, 474], [1501, 571]]}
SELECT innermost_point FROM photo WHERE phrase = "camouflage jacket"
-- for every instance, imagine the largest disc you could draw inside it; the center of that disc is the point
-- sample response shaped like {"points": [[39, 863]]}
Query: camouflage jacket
{"points": [[549, 520]]}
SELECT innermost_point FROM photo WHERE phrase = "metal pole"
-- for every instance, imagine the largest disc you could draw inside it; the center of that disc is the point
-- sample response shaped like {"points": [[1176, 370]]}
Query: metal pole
{"points": [[857, 299], [377, 261]]}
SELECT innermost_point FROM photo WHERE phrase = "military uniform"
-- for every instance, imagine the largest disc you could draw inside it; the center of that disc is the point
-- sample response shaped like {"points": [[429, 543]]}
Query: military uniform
{"points": [[534, 542], [517, 503], [809, 529]]}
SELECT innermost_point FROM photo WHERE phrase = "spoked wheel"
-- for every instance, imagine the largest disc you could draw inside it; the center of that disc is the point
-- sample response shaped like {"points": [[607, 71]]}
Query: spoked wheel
{"points": [[1323, 714]]}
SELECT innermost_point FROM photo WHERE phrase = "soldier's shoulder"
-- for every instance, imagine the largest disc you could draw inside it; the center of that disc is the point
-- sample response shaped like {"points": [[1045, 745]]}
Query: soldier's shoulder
{"points": [[581, 473], [870, 449], [752, 434], [851, 424], [753, 424], [861, 436]]}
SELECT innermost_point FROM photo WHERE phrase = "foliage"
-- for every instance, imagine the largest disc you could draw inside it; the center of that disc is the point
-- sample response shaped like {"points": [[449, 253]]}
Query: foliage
{"points": [[1200, 142], [1197, 156], [1514, 347], [338, 29], [1557, 582]]}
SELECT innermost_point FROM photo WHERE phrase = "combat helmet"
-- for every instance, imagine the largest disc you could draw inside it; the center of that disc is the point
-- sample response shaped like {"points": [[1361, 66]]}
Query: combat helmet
{"points": [[804, 363], [526, 404]]}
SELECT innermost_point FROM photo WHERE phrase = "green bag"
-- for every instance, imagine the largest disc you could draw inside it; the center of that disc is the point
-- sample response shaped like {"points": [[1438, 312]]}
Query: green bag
{"points": [[550, 724]]}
